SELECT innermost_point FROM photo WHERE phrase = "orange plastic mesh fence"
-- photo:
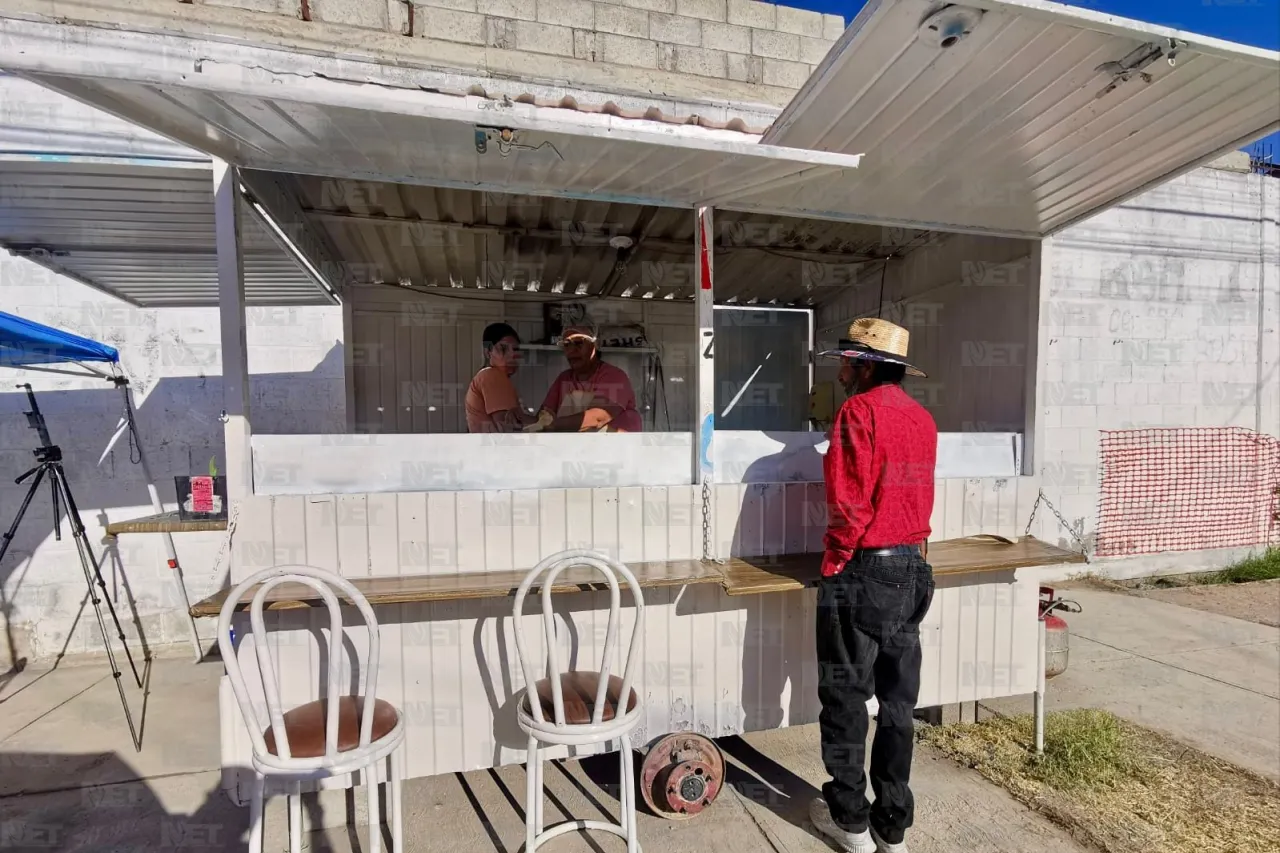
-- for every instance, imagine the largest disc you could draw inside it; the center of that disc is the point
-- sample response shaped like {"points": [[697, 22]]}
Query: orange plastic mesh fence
{"points": [[1187, 489]]}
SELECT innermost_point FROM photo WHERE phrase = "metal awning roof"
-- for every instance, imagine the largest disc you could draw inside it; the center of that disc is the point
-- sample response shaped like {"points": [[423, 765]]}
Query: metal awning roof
{"points": [[270, 110], [38, 124], [143, 233], [1041, 115]]}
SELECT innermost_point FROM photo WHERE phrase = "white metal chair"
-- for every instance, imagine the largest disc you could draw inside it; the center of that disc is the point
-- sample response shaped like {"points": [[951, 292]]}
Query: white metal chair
{"points": [[582, 707], [328, 737]]}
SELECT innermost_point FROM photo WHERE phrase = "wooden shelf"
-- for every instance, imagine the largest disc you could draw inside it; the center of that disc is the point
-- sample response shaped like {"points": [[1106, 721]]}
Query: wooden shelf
{"points": [[406, 589], [165, 522], [556, 348], [972, 555]]}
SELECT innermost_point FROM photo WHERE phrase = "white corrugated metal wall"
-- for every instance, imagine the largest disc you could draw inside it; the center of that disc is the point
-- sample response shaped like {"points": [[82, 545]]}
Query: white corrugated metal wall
{"points": [[710, 663]]}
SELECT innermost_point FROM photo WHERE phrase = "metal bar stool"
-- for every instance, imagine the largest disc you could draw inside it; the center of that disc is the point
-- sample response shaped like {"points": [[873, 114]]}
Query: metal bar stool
{"points": [[328, 737], [582, 707]]}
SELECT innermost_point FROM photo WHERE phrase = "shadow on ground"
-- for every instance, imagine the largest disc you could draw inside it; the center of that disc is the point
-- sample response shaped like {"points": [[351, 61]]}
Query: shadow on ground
{"points": [[87, 816]]}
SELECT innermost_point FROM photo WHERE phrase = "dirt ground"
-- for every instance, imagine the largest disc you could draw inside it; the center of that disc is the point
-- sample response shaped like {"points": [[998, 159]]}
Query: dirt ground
{"points": [[1255, 602]]}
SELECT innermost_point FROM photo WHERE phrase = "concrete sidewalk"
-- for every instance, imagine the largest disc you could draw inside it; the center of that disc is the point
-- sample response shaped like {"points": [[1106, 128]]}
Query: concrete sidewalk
{"points": [[71, 781], [1210, 681]]}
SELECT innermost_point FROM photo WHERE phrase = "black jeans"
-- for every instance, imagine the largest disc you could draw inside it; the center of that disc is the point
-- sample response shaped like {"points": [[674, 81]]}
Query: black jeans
{"points": [[868, 623]]}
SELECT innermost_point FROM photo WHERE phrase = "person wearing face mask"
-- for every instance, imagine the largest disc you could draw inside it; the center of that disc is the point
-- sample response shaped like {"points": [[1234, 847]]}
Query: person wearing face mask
{"points": [[592, 394], [492, 404], [875, 590]]}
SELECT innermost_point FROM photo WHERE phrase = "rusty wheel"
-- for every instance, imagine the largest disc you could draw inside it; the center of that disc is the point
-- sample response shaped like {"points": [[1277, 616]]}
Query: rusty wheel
{"points": [[681, 775]]}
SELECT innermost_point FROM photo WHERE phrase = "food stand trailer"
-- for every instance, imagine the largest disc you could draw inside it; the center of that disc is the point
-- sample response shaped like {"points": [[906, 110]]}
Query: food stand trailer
{"points": [[999, 120]]}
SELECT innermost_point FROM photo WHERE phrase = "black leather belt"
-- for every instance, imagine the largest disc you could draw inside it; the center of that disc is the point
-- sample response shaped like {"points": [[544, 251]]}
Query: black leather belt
{"points": [[892, 551]]}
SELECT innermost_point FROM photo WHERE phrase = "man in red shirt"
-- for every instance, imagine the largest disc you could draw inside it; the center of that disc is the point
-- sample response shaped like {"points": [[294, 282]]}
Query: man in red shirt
{"points": [[875, 589]]}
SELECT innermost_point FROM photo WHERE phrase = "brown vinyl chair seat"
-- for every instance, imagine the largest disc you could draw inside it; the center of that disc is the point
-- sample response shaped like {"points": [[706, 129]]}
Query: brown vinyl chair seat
{"points": [[578, 690], [305, 726]]}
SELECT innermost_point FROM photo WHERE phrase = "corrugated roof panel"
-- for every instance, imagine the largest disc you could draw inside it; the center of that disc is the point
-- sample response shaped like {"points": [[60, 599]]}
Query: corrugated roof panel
{"points": [[446, 238], [143, 233], [1035, 116]]}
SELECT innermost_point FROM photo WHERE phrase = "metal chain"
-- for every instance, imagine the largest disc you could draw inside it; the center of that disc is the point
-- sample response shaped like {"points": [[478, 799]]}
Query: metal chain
{"points": [[706, 524], [1061, 520], [226, 540]]}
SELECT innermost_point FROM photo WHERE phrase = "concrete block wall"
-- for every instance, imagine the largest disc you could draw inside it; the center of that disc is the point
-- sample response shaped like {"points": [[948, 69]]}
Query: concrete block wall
{"points": [[741, 40], [745, 41], [173, 360], [1162, 312]]}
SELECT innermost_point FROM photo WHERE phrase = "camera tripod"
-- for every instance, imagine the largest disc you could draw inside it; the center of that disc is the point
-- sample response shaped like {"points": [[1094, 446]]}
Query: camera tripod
{"points": [[49, 457]]}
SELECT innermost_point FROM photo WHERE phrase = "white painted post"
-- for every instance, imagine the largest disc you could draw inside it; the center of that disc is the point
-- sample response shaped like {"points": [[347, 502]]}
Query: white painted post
{"points": [[235, 366], [1040, 686], [705, 370], [704, 250]]}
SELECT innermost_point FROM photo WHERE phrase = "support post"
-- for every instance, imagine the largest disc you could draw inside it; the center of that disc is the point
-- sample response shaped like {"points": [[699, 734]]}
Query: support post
{"points": [[705, 360], [1040, 687], [704, 368], [235, 366]]}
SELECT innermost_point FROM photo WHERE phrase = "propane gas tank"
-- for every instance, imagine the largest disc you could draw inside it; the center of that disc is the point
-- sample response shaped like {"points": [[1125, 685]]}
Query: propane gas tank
{"points": [[1056, 642]]}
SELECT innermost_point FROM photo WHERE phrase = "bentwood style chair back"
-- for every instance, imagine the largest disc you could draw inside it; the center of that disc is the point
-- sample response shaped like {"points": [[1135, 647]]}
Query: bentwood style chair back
{"points": [[582, 707], [332, 736]]}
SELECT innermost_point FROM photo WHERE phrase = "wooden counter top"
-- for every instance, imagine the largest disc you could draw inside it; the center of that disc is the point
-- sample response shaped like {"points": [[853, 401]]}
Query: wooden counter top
{"points": [[972, 555], [405, 589], [165, 522], [738, 576]]}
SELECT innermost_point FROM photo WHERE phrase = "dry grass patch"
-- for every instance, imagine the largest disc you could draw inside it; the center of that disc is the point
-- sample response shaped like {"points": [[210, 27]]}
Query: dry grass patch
{"points": [[1119, 786]]}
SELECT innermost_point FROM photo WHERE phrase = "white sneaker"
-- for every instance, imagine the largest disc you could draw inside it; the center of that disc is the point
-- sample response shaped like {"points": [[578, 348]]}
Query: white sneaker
{"points": [[883, 846], [851, 842]]}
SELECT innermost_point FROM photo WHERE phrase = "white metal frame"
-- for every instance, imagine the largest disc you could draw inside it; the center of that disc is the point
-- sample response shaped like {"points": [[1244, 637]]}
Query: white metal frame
{"points": [[704, 421], [543, 731], [364, 757], [235, 359]]}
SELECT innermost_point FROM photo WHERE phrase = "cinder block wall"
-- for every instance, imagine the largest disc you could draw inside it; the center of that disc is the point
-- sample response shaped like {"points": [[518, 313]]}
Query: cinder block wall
{"points": [[741, 40], [1162, 312], [736, 51]]}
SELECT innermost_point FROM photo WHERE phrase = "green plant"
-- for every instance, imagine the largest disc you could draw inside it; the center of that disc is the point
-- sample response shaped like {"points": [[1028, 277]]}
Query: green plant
{"points": [[1264, 566], [213, 466]]}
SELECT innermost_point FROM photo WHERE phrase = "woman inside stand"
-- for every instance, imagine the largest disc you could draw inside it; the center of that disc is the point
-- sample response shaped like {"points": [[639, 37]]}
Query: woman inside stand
{"points": [[492, 403]]}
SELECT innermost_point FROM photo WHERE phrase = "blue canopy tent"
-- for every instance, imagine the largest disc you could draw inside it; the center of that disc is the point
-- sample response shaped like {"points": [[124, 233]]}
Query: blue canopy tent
{"points": [[25, 345]]}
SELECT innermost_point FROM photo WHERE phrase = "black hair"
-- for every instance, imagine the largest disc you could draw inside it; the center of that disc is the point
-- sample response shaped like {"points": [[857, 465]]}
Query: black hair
{"points": [[495, 332], [884, 373]]}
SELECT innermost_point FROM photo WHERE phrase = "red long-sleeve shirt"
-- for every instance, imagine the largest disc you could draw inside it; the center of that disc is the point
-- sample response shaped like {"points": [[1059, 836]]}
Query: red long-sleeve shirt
{"points": [[879, 473]]}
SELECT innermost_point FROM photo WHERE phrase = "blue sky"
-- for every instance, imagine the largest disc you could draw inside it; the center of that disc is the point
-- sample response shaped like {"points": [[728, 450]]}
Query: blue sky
{"points": [[1253, 22]]}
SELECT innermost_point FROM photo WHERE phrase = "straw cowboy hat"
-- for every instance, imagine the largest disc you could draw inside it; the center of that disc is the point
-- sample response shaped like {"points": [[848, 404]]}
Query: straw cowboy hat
{"points": [[873, 339]]}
